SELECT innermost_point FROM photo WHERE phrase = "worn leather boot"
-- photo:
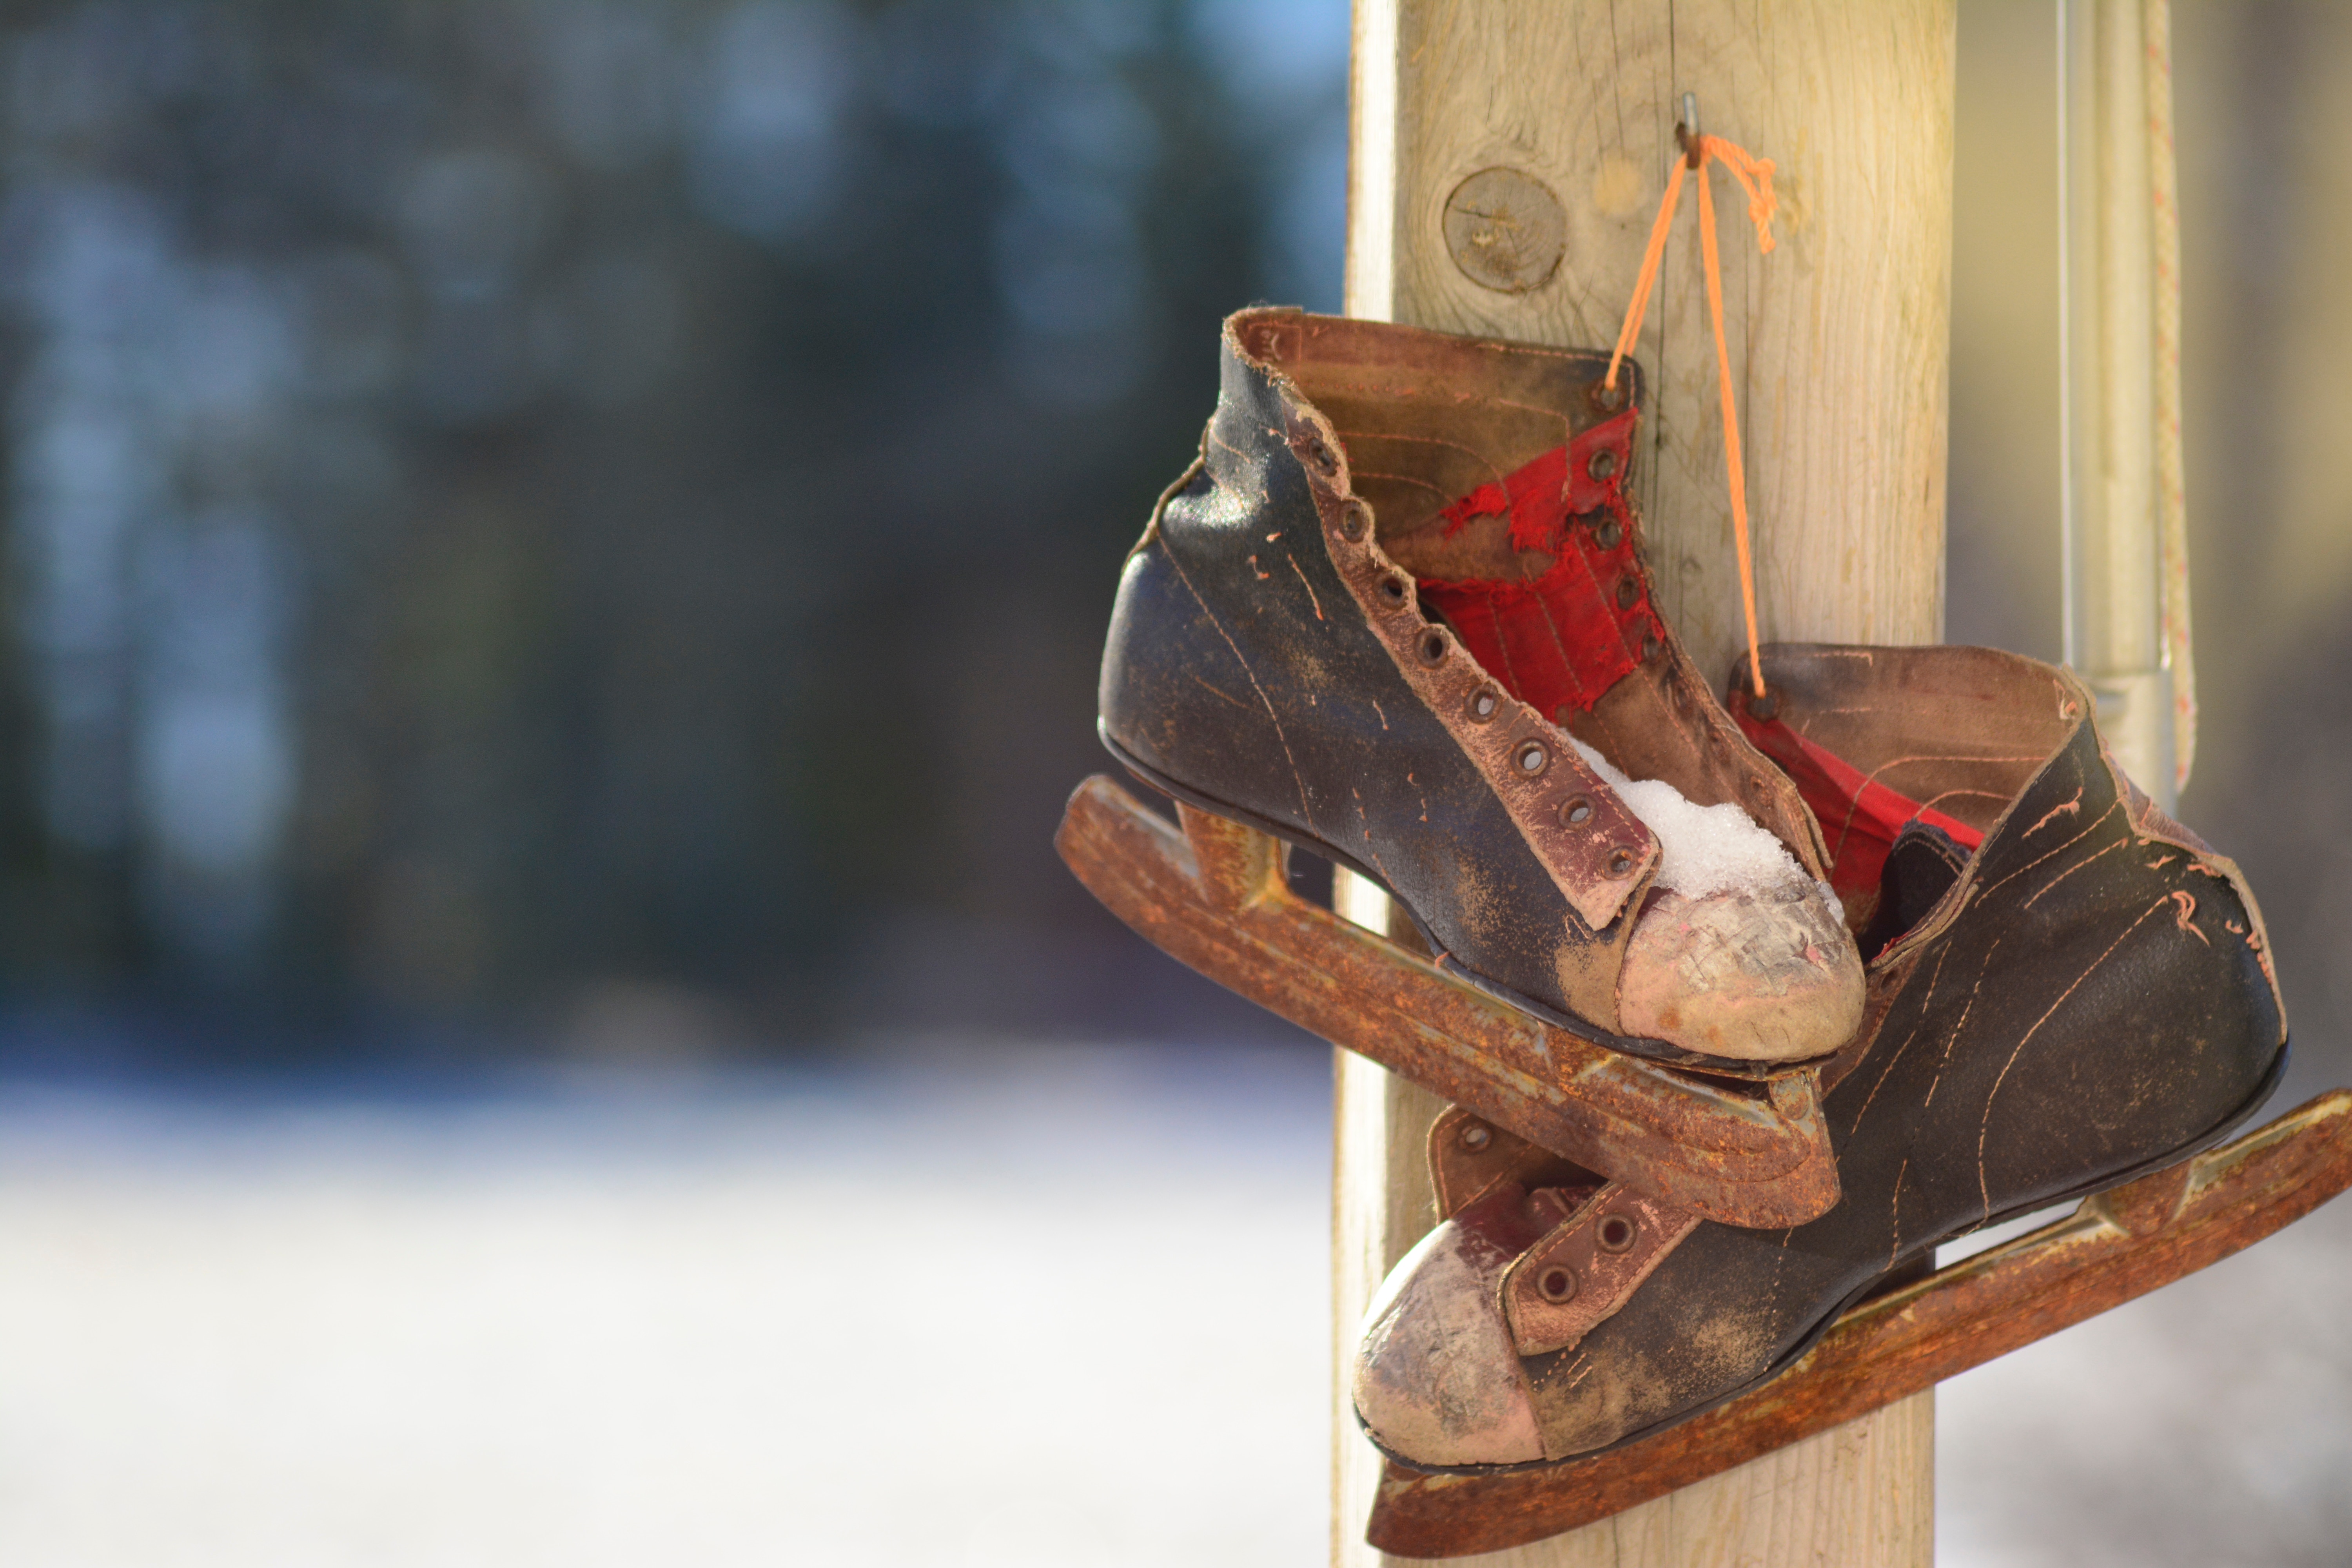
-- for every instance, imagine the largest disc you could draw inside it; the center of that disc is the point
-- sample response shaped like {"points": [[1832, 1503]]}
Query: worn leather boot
{"points": [[1377, 618], [2072, 990]]}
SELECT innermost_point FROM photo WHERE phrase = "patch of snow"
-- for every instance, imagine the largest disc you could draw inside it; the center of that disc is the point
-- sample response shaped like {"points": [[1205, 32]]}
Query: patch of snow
{"points": [[730, 1323], [1704, 849]]}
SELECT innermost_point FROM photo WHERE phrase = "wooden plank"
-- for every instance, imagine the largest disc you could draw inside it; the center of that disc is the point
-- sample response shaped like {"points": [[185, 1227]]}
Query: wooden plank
{"points": [[1838, 337], [2120, 1245], [1839, 345]]}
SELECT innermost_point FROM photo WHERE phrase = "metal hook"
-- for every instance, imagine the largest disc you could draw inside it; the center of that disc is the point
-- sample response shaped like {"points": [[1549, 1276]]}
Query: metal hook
{"points": [[1687, 134]]}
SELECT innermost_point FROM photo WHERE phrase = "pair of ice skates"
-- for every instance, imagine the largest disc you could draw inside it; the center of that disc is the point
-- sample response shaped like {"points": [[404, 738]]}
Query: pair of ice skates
{"points": [[1746, 1004]]}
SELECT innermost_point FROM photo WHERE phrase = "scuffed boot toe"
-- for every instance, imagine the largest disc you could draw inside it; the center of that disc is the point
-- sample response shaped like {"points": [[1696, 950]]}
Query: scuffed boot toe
{"points": [[1759, 974], [1375, 618], [1436, 1382], [2070, 989], [1736, 952]]}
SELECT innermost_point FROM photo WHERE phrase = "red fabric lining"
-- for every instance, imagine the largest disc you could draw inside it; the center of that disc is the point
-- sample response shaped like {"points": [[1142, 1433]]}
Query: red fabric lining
{"points": [[1531, 494], [1860, 817], [1559, 640]]}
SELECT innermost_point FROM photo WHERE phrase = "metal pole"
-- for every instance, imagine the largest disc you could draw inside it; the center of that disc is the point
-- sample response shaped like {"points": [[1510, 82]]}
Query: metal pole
{"points": [[2123, 556]]}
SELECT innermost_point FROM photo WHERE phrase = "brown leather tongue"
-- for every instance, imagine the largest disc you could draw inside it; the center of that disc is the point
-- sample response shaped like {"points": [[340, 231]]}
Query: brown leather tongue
{"points": [[1479, 549], [1548, 1207], [1536, 573]]}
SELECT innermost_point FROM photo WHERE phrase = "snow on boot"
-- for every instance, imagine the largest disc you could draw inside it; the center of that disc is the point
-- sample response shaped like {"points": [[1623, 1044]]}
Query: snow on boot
{"points": [[2072, 990], [1310, 639]]}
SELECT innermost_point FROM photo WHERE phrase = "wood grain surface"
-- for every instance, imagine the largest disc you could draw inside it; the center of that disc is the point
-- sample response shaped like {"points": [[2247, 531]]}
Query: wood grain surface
{"points": [[1838, 350]]}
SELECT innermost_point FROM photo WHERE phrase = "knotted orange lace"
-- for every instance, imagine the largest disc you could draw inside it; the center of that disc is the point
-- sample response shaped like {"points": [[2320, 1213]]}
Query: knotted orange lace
{"points": [[1755, 174]]}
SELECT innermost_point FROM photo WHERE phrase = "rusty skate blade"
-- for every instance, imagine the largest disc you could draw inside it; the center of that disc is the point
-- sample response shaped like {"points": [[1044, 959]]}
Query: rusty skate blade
{"points": [[1215, 896], [2121, 1243]]}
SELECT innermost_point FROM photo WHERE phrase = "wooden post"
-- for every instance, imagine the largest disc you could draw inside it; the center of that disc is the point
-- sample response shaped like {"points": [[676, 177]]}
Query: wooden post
{"points": [[1507, 160]]}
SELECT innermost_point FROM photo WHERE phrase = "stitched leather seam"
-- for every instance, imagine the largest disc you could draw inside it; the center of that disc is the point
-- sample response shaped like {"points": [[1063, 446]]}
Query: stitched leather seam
{"points": [[1577, 860], [1579, 1276]]}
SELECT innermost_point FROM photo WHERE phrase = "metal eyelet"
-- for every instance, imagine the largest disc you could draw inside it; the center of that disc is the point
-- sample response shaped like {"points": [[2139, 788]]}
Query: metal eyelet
{"points": [[1484, 703], [1320, 456], [1477, 1136], [1604, 395], [1430, 647], [1615, 1233], [1763, 705], [1557, 1284], [1627, 591], [1532, 758], [1602, 463], [1649, 647], [1607, 533], [1621, 863], [1355, 521], [1578, 811], [1395, 590]]}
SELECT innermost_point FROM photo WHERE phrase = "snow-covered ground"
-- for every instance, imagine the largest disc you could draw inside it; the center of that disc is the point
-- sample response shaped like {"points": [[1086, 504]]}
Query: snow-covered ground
{"points": [[1059, 1306]]}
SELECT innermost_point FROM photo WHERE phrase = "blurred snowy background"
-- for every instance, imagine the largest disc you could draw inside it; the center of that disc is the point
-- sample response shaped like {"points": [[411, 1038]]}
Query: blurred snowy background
{"points": [[554, 554], [1053, 1308]]}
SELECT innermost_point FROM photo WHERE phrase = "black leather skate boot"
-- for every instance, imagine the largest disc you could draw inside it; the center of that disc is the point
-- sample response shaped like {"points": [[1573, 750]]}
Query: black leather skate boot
{"points": [[1378, 617], [2075, 990]]}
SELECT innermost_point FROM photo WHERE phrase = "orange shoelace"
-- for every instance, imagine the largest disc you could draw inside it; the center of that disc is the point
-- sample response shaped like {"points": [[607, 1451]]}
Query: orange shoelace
{"points": [[1755, 174]]}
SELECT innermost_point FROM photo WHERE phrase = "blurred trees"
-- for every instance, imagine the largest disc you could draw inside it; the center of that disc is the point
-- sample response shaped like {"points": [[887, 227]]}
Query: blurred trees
{"points": [[504, 493], [505, 496]]}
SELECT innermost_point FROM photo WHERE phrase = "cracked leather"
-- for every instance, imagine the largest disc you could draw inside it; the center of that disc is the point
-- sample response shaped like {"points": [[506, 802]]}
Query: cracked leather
{"points": [[2089, 998], [1589, 1265], [1252, 668]]}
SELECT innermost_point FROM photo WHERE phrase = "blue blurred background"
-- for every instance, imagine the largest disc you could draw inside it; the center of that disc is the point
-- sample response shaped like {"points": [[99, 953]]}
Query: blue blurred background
{"points": [[554, 556], [515, 504], [522, 512]]}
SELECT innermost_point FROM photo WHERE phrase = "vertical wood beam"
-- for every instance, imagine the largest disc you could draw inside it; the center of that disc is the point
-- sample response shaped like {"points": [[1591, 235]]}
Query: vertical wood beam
{"points": [[1839, 346]]}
